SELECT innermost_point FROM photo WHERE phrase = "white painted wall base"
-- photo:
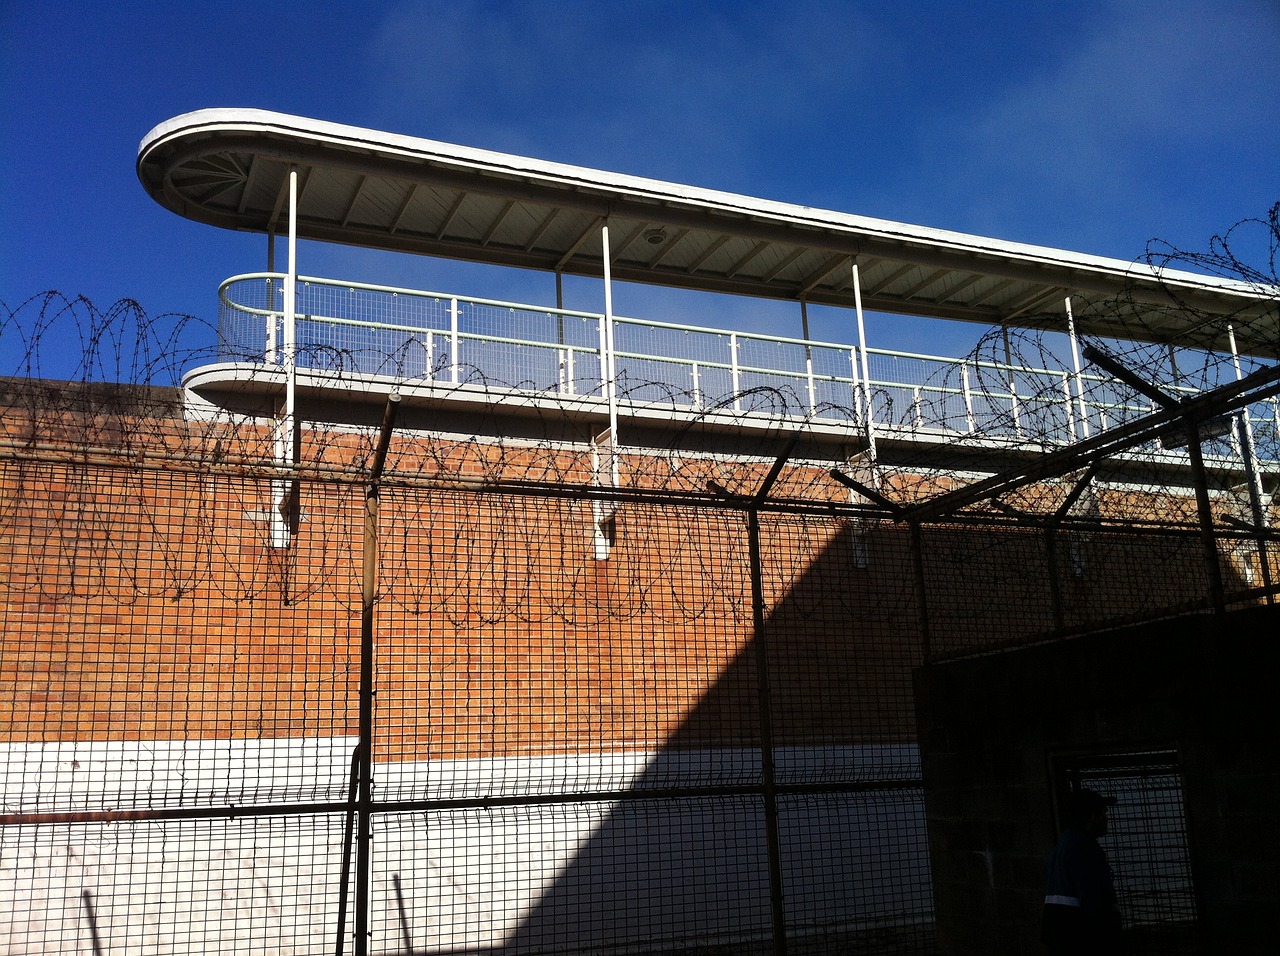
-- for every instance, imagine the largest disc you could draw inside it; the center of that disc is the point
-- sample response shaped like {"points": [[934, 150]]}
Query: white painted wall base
{"points": [[590, 875]]}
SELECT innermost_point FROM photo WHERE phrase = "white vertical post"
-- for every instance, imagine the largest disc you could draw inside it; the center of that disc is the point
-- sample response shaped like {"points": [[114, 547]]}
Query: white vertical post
{"points": [[453, 340], [734, 374], [290, 311], [808, 357], [1076, 375], [1235, 352], [286, 448], [602, 351], [564, 356], [1257, 506], [604, 447], [970, 424], [866, 373], [1013, 383], [1070, 403], [610, 356], [273, 325], [1245, 440], [1238, 441], [272, 354], [855, 379]]}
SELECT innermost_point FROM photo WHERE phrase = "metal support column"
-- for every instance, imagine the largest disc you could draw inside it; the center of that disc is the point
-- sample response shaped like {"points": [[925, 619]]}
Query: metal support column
{"points": [[1013, 382], [1253, 475], [866, 375], [564, 357], [604, 447], [284, 521], [1076, 376], [609, 365], [808, 358], [290, 314], [921, 588], [917, 550], [1191, 429], [764, 694], [764, 690], [1051, 527], [1204, 510], [273, 331], [368, 601]]}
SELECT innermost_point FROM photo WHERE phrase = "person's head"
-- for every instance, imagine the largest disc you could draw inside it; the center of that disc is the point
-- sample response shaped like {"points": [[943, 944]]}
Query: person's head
{"points": [[1087, 809]]}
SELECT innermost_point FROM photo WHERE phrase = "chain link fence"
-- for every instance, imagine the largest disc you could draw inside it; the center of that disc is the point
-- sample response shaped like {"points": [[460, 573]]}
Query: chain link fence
{"points": [[704, 742]]}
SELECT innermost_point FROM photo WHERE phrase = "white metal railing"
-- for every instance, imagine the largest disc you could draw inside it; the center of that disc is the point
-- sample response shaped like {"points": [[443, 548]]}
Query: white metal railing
{"points": [[437, 337]]}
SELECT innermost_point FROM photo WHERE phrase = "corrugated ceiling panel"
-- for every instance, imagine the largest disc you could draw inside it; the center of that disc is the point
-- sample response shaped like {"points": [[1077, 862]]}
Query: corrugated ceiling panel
{"points": [[199, 165], [427, 211], [326, 195], [516, 227], [379, 202], [268, 177]]}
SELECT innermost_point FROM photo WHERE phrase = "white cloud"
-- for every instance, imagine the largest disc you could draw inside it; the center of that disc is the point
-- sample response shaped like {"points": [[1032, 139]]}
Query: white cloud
{"points": [[1094, 127], [1149, 106], [682, 91]]}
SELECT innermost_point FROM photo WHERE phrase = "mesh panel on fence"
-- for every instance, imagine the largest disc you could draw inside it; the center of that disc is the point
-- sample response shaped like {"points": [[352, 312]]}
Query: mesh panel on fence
{"points": [[674, 717]]}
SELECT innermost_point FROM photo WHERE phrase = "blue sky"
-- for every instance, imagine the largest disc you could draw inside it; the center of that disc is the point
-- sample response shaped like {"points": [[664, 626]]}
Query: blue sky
{"points": [[1092, 126]]}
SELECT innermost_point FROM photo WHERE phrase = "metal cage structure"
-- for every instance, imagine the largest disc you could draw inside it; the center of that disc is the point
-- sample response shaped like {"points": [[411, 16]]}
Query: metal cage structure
{"points": [[405, 622]]}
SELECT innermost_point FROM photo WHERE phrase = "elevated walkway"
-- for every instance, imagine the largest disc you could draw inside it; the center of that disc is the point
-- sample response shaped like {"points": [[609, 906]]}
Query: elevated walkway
{"points": [[514, 371], [295, 348]]}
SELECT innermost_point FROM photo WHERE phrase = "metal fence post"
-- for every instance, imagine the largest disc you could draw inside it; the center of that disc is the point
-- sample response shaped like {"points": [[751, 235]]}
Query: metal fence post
{"points": [[369, 597], [764, 690], [1204, 509], [1055, 578], [922, 588], [764, 693]]}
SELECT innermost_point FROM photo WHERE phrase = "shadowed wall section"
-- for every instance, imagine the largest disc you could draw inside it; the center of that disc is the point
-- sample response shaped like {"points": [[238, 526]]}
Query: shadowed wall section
{"points": [[1173, 719], [570, 754]]}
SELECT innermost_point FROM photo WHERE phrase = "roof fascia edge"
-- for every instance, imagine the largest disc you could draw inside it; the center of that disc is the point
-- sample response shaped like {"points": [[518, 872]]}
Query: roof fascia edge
{"points": [[604, 193]]}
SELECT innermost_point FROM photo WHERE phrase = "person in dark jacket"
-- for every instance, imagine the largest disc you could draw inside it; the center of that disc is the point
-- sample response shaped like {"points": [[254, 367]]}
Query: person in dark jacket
{"points": [[1080, 910]]}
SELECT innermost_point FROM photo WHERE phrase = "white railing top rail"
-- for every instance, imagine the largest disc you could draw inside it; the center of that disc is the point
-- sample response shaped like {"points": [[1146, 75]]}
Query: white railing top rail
{"points": [[388, 289], [442, 326], [629, 320]]}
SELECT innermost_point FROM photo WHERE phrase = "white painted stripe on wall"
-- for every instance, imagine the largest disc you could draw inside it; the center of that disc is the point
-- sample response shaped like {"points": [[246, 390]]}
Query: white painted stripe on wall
{"points": [[561, 875]]}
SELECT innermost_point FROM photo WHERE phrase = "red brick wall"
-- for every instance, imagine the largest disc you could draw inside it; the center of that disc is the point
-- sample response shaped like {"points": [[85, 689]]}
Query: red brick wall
{"points": [[143, 598]]}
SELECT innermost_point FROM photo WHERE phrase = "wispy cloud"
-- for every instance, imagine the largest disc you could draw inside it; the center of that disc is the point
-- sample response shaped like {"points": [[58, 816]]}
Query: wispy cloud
{"points": [[1129, 118], [692, 91]]}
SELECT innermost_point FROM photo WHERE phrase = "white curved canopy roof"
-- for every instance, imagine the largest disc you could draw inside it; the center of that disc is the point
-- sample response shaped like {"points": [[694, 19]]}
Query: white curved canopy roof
{"points": [[228, 167]]}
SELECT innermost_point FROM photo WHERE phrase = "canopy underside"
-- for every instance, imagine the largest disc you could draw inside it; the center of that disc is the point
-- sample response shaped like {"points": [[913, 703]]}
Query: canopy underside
{"points": [[230, 168]]}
